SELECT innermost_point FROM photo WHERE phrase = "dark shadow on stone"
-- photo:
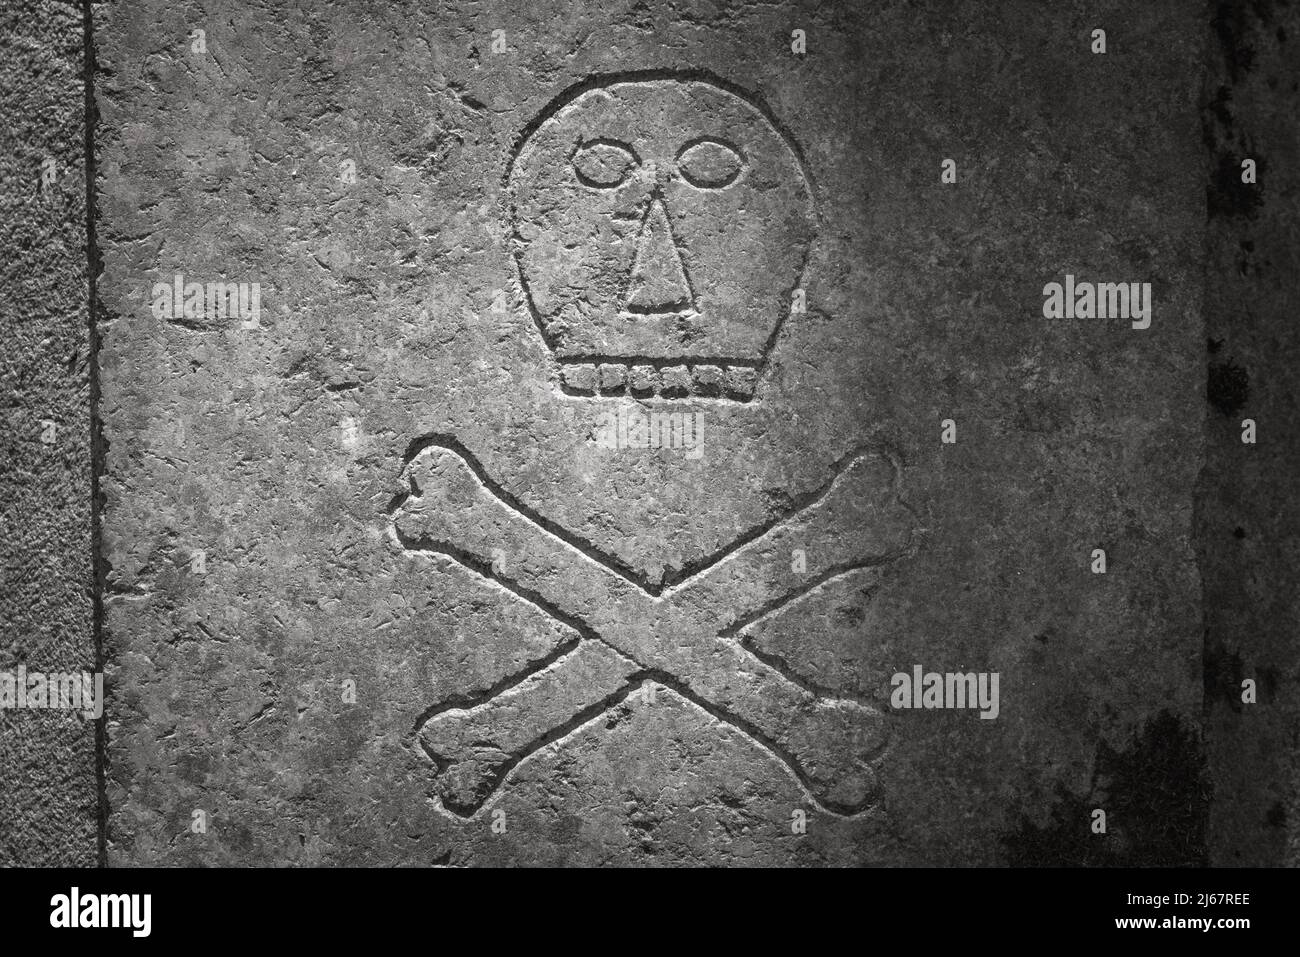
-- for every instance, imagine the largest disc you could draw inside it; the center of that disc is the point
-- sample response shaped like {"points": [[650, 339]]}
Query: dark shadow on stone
{"points": [[1227, 387], [1153, 796], [1234, 25], [1221, 674], [1226, 195]]}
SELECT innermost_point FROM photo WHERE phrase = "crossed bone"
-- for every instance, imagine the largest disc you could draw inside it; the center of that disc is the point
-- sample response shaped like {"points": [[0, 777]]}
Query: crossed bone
{"points": [[688, 635]]}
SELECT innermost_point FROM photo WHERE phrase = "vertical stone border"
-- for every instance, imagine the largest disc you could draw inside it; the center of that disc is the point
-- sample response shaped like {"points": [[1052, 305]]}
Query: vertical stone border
{"points": [[1247, 522], [49, 796]]}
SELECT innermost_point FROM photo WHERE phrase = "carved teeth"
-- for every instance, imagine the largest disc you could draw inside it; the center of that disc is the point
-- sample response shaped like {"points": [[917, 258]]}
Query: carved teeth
{"points": [[613, 378], [677, 382], [702, 380], [579, 379], [644, 381]]}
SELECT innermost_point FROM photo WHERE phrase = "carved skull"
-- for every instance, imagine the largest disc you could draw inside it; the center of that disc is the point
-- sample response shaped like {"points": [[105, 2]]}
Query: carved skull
{"points": [[659, 219]]}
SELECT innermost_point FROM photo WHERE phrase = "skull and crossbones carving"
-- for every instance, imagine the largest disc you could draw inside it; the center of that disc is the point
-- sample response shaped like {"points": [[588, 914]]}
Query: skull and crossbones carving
{"points": [[688, 636], [659, 224]]}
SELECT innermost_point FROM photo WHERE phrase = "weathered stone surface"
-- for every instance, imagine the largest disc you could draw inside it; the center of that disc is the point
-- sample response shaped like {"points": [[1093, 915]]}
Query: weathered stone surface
{"points": [[48, 796], [1248, 514], [376, 585]]}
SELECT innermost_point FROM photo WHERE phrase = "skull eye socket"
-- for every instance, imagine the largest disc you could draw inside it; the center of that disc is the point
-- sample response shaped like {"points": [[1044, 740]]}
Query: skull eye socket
{"points": [[709, 164], [604, 164]]}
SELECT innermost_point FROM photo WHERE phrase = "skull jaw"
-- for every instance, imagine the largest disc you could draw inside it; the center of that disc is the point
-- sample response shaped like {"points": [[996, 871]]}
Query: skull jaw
{"points": [[687, 335]]}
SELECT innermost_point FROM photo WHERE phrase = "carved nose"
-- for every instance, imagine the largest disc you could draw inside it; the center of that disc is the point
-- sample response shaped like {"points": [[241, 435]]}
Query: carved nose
{"points": [[659, 282]]}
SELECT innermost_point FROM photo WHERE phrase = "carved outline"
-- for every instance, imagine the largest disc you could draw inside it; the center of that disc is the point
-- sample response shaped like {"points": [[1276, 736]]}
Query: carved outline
{"points": [[575, 723], [656, 196], [515, 242], [582, 146], [742, 166]]}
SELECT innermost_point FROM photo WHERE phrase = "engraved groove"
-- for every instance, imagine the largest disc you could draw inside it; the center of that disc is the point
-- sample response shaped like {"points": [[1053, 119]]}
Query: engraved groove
{"points": [[498, 772], [516, 241]]}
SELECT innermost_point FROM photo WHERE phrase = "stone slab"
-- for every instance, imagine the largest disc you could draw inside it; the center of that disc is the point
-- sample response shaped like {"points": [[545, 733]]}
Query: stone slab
{"points": [[382, 590], [49, 799]]}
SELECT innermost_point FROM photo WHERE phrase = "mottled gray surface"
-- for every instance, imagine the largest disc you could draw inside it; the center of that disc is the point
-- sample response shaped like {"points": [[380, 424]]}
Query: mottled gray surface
{"points": [[48, 797], [1247, 518], [394, 327]]}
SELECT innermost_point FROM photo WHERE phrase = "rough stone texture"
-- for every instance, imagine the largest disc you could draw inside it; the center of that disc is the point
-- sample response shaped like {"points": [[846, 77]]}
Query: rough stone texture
{"points": [[48, 795], [612, 652], [1247, 515]]}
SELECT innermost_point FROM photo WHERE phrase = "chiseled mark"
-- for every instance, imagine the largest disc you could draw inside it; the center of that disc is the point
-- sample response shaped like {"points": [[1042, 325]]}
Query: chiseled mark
{"points": [[651, 216], [681, 634]]}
